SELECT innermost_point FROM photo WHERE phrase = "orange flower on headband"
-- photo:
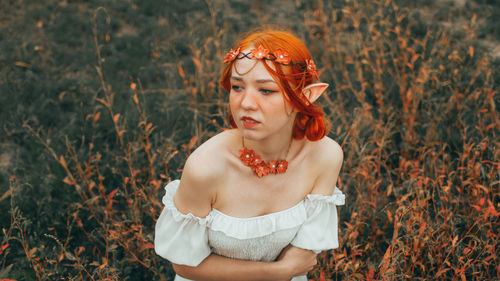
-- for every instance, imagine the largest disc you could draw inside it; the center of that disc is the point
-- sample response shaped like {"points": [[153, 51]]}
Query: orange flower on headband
{"points": [[311, 67], [260, 53], [231, 55], [279, 56], [282, 56]]}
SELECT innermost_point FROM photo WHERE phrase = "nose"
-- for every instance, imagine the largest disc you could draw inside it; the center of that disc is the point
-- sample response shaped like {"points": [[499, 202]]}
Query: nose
{"points": [[249, 100]]}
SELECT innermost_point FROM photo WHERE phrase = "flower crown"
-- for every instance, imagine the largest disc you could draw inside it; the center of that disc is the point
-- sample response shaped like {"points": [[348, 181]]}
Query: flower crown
{"points": [[280, 56]]}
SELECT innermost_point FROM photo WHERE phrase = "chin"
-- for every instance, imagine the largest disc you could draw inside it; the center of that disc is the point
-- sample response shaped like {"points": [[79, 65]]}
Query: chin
{"points": [[250, 134]]}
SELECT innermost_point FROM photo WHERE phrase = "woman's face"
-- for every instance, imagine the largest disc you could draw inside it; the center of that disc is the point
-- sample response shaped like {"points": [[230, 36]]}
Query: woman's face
{"points": [[257, 103]]}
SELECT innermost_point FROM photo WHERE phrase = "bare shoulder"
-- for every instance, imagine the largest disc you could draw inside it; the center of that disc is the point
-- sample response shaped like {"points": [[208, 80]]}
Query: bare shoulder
{"points": [[201, 175], [207, 162], [330, 152], [328, 158]]}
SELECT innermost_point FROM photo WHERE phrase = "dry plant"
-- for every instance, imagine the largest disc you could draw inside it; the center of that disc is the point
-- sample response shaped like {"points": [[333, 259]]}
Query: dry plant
{"points": [[413, 106], [416, 113]]}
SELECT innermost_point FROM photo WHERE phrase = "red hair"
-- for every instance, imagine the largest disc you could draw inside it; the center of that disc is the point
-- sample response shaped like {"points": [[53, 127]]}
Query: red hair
{"points": [[310, 121]]}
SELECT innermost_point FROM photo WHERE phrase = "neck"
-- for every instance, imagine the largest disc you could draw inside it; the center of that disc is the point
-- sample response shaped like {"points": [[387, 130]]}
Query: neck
{"points": [[270, 148]]}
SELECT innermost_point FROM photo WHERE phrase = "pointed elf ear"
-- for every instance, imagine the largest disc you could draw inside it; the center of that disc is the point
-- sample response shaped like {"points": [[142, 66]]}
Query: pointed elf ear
{"points": [[314, 91]]}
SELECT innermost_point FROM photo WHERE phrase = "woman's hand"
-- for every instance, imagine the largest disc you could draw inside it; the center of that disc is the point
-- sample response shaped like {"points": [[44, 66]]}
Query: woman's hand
{"points": [[297, 261]]}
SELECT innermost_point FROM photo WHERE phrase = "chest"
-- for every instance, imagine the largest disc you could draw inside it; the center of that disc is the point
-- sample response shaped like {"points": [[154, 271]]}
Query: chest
{"points": [[260, 238], [264, 248], [244, 195]]}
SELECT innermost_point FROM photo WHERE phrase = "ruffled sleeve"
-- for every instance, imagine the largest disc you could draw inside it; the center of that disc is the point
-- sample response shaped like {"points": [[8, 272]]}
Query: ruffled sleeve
{"points": [[180, 238], [320, 230]]}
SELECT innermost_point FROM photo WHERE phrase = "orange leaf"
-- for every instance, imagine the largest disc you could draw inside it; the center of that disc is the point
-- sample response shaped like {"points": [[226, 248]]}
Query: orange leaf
{"points": [[112, 193], [197, 63], [62, 161], [422, 228], [116, 117], [442, 271], [491, 209], [389, 189], [387, 255], [192, 142], [149, 245], [80, 250], [490, 126], [102, 101], [154, 182], [3, 248], [476, 207], [481, 201], [32, 251], [385, 263], [181, 71], [61, 256], [322, 276], [471, 51], [22, 64], [91, 185], [68, 181], [370, 274], [97, 116]]}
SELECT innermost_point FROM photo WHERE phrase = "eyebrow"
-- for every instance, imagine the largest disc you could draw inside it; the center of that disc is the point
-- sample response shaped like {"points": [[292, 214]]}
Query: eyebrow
{"points": [[258, 80]]}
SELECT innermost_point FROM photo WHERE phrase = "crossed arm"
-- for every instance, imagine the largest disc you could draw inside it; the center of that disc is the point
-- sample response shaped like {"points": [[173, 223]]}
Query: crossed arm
{"points": [[292, 262]]}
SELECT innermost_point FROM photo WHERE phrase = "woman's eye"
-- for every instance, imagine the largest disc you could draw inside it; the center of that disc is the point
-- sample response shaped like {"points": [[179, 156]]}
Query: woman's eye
{"points": [[236, 88], [267, 91]]}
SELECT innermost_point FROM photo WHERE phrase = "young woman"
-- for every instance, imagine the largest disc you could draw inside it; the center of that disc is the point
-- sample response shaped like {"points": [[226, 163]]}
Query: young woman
{"points": [[258, 202]]}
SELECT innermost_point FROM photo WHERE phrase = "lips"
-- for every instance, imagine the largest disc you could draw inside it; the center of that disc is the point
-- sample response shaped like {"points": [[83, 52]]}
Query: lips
{"points": [[249, 119], [249, 122]]}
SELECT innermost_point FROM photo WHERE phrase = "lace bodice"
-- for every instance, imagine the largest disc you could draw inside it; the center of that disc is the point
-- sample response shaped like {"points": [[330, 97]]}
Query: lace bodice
{"points": [[187, 239]]}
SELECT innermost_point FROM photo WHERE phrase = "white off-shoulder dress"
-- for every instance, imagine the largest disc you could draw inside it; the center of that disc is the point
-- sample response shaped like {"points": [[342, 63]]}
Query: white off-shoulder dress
{"points": [[187, 239]]}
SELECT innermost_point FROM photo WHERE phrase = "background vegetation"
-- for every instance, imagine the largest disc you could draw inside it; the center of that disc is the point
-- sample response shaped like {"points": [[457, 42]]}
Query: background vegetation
{"points": [[102, 101]]}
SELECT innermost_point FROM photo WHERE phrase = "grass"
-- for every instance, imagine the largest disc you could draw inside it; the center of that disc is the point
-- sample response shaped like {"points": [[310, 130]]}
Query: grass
{"points": [[102, 101]]}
